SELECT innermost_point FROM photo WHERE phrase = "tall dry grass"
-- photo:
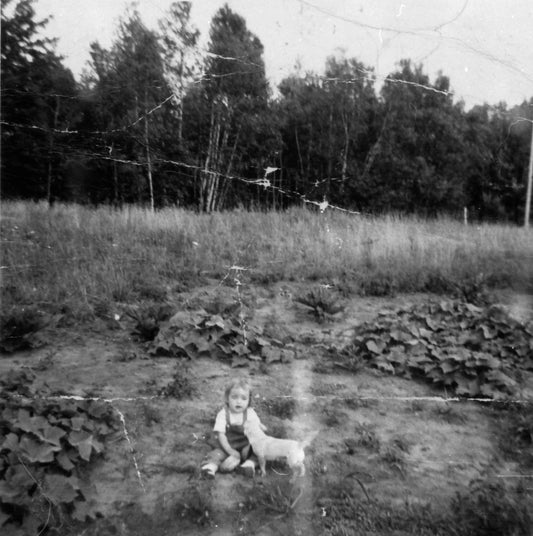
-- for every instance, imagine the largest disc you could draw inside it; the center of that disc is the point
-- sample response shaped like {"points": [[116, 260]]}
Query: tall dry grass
{"points": [[78, 256]]}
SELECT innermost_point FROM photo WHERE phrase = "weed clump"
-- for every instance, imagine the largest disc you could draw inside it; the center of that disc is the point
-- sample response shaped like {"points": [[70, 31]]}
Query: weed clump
{"points": [[279, 497], [148, 319], [196, 505], [19, 328], [180, 386], [322, 303], [490, 509]]}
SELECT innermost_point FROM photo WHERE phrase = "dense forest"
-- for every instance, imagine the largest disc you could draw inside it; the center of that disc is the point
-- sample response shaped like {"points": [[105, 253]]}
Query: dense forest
{"points": [[157, 120]]}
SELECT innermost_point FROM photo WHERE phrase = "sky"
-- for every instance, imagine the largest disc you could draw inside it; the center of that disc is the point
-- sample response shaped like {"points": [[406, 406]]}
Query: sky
{"points": [[485, 47]]}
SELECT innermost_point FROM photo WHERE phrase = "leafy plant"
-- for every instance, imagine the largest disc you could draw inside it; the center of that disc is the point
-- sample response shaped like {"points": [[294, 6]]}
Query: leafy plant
{"points": [[466, 349], [20, 327], [196, 504], [275, 496], [366, 437], [48, 444], [148, 320], [197, 333], [180, 386], [322, 303]]}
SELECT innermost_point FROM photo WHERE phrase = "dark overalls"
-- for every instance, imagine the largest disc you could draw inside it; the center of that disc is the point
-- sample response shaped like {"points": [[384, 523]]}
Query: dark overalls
{"points": [[236, 439]]}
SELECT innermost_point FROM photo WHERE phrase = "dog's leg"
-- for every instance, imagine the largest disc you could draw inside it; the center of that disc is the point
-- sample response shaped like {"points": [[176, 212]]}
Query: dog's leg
{"points": [[262, 464]]}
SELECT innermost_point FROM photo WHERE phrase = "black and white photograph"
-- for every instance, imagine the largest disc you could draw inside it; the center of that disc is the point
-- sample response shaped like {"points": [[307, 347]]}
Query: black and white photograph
{"points": [[266, 268]]}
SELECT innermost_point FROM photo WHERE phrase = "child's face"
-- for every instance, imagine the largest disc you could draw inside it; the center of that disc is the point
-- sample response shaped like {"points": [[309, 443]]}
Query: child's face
{"points": [[238, 399]]}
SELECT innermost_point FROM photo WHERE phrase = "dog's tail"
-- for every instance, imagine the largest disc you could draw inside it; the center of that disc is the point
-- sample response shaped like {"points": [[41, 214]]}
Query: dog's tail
{"points": [[309, 439]]}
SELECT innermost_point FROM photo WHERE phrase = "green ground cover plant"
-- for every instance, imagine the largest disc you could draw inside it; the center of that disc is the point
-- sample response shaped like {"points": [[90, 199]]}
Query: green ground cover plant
{"points": [[198, 333], [322, 303], [48, 445], [468, 350]]}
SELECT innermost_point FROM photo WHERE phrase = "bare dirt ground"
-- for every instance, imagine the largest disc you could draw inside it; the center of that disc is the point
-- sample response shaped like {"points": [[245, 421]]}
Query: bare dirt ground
{"points": [[378, 436]]}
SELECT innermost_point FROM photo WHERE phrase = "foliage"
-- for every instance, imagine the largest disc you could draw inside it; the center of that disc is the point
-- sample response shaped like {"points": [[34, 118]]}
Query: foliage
{"points": [[38, 93], [48, 445], [275, 497], [197, 333], [489, 508], [151, 121], [466, 349], [148, 319], [323, 303], [196, 504], [20, 327], [180, 386]]}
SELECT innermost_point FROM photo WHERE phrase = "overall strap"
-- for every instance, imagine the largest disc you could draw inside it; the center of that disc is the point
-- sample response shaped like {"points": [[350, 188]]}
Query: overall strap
{"points": [[228, 422]]}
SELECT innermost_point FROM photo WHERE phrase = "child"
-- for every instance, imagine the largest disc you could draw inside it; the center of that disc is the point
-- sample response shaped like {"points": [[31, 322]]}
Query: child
{"points": [[233, 451]]}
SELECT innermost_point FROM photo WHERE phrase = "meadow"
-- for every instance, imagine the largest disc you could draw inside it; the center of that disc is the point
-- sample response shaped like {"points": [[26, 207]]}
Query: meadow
{"points": [[397, 339], [76, 257]]}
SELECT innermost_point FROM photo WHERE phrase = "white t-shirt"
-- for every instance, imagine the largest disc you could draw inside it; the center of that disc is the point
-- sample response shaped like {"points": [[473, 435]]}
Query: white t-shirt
{"points": [[234, 418]]}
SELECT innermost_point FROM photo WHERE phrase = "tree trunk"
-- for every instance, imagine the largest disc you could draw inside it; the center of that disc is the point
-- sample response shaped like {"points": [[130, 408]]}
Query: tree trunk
{"points": [[180, 101], [205, 176], [148, 159], [115, 178], [51, 148], [214, 158], [330, 151], [309, 153], [345, 150], [225, 186], [299, 152]]}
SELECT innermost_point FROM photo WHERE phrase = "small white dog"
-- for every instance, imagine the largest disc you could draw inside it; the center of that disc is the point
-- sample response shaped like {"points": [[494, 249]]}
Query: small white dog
{"points": [[271, 448]]}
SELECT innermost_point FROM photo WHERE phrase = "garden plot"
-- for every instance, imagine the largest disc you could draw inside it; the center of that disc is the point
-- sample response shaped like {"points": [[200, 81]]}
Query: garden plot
{"points": [[400, 450]]}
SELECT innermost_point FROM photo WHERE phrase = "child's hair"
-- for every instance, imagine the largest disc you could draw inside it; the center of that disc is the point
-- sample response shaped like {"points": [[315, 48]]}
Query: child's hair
{"points": [[242, 384]]}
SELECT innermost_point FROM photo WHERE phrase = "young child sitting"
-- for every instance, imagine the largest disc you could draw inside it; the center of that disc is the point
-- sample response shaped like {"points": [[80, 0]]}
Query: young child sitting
{"points": [[233, 451]]}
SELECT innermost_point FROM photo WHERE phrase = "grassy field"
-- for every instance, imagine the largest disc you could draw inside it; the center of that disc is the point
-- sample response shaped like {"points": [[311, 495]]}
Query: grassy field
{"points": [[77, 258]]}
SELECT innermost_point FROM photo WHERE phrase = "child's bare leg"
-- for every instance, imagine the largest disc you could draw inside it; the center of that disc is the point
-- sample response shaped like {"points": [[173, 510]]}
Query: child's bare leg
{"points": [[212, 462], [229, 464]]}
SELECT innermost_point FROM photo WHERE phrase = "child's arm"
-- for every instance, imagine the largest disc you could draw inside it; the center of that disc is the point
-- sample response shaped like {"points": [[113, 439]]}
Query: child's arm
{"points": [[226, 447]]}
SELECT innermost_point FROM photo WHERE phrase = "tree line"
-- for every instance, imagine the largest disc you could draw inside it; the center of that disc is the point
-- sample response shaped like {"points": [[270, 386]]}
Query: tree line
{"points": [[155, 120]]}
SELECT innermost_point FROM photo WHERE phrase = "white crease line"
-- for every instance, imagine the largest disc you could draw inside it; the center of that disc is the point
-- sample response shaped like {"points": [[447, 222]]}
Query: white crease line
{"points": [[329, 397], [414, 398], [100, 399], [126, 435], [514, 476]]}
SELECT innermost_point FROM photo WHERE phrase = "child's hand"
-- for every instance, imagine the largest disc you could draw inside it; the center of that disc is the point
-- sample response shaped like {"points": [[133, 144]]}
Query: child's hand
{"points": [[235, 453]]}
